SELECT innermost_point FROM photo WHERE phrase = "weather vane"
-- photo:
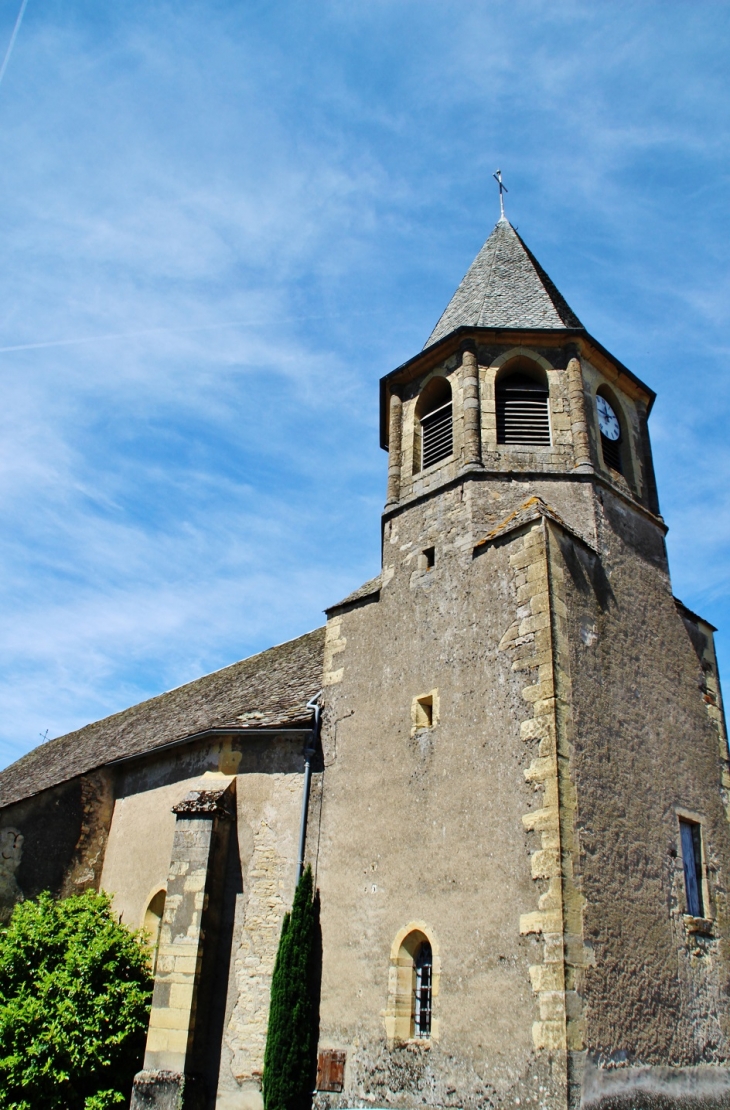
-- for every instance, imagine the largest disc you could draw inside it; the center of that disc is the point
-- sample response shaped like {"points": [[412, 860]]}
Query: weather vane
{"points": [[502, 189]]}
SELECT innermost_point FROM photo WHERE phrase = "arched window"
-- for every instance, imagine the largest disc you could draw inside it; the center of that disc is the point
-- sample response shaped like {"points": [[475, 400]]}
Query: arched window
{"points": [[522, 410], [434, 424], [412, 985], [153, 922], [422, 990], [611, 432]]}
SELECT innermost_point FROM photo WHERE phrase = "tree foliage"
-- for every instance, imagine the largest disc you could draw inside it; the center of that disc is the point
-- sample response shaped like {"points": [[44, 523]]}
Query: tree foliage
{"points": [[75, 991], [290, 1061]]}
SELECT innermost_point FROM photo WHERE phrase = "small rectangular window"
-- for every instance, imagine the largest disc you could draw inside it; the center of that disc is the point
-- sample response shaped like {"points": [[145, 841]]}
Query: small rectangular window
{"points": [[691, 835], [429, 556], [424, 712]]}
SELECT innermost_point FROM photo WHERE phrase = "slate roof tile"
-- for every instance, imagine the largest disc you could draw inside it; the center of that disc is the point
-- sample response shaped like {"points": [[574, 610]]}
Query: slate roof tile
{"points": [[367, 590], [266, 690], [505, 287]]}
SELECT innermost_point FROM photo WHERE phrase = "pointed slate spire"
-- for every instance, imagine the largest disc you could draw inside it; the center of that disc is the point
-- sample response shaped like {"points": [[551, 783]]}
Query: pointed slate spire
{"points": [[505, 287]]}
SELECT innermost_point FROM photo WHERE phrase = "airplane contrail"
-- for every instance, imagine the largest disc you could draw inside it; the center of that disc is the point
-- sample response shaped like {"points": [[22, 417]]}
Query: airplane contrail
{"points": [[169, 331], [121, 335], [13, 37]]}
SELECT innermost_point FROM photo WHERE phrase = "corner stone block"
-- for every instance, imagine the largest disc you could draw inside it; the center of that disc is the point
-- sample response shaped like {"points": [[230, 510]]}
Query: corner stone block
{"points": [[537, 728], [537, 922], [540, 769], [545, 864], [538, 820], [549, 1034], [552, 1006], [548, 978]]}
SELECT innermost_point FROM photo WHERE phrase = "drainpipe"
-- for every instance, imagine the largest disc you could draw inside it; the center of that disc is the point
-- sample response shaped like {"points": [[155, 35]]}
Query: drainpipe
{"points": [[309, 752]]}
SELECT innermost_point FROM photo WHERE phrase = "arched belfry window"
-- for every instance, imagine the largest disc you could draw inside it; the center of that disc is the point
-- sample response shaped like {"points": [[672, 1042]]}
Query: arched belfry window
{"points": [[611, 432], [422, 990], [435, 423], [522, 410]]}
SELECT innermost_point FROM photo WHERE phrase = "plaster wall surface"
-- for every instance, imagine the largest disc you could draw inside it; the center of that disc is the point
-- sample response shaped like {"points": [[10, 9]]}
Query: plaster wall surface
{"points": [[426, 825], [138, 852]]}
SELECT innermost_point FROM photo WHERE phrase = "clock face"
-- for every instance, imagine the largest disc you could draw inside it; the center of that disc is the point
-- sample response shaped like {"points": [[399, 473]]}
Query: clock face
{"points": [[607, 420]]}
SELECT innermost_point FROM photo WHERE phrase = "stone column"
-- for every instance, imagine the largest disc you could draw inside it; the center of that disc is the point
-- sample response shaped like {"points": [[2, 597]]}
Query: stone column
{"points": [[171, 1079], [647, 463], [578, 421], [395, 446], [470, 394]]}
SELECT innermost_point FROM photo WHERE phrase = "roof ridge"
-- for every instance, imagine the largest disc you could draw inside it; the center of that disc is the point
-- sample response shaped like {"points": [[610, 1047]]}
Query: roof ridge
{"points": [[208, 674], [492, 263]]}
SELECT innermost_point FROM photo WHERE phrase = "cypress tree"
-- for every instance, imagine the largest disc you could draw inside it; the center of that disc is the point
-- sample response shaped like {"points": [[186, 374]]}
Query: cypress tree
{"points": [[290, 1060]]}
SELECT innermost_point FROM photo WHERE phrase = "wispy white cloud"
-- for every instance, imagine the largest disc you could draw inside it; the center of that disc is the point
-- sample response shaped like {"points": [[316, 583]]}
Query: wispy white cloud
{"points": [[221, 224]]}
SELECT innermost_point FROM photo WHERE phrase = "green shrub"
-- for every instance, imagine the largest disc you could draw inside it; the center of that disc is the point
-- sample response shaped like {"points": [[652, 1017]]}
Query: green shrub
{"points": [[290, 1061], [75, 991]]}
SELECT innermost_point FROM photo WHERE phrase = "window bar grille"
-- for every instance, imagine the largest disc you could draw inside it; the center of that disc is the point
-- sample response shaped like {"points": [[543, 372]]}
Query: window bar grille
{"points": [[437, 433], [422, 994]]}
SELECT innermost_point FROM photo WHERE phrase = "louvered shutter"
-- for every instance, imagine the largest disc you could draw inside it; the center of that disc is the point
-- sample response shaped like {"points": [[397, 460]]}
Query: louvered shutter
{"points": [[611, 453], [522, 411], [438, 435]]}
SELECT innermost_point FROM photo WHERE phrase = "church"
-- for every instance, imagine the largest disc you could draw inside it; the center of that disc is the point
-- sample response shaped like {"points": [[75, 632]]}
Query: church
{"points": [[504, 757]]}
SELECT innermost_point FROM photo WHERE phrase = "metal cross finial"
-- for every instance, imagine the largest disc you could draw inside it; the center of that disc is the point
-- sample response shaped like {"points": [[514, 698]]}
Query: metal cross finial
{"points": [[502, 189]]}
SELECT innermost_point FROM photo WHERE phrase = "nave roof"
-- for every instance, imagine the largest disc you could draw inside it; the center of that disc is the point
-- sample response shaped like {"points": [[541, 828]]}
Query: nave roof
{"points": [[267, 690]]}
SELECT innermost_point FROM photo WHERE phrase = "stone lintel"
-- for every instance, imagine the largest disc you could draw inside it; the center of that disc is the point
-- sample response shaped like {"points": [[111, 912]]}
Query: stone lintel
{"points": [[206, 802]]}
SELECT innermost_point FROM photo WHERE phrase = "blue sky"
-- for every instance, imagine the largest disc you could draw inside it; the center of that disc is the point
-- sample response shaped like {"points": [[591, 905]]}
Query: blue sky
{"points": [[221, 223]]}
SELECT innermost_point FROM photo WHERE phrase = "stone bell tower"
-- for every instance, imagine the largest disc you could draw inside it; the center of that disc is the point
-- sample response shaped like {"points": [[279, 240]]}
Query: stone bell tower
{"points": [[522, 838]]}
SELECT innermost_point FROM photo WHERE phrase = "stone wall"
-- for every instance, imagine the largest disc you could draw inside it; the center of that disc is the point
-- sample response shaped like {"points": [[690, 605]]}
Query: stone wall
{"points": [[425, 825], [647, 747], [532, 832]]}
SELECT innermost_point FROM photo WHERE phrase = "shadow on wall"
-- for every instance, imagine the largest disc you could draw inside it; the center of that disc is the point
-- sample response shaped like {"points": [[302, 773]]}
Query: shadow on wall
{"points": [[43, 846], [11, 851], [219, 976]]}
